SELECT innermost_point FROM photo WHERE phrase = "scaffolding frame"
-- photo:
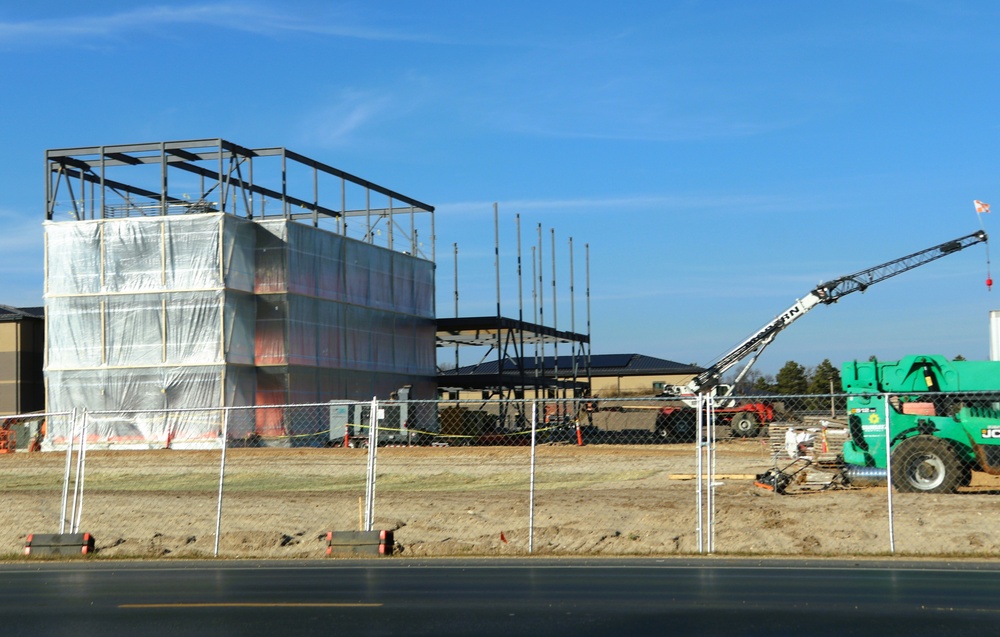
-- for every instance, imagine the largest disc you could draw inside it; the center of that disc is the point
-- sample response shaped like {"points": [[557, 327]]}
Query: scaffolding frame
{"points": [[159, 179], [507, 339]]}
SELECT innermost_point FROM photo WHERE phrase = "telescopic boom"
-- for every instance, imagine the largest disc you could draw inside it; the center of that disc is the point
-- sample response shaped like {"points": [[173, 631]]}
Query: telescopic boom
{"points": [[826, 293]]}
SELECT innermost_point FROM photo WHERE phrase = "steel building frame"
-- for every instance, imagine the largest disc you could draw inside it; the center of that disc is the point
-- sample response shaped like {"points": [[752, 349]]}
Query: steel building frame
{"points": [[231, 179], [507, 339]]}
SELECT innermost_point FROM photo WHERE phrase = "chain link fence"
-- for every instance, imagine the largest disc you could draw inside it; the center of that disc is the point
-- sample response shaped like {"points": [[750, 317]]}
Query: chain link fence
{"points": [[762, 475]]}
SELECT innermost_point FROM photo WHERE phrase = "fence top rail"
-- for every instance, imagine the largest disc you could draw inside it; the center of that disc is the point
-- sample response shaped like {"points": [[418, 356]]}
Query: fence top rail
{"points": [[35, 415]]}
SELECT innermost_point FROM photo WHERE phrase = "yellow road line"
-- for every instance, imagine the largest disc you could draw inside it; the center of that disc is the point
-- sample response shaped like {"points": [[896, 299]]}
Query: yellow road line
{"points": [[253, 605]]}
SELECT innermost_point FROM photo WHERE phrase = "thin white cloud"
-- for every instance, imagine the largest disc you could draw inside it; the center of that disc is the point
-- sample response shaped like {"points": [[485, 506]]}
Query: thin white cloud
{"points": [[679, 203], [22, 233], [670, 130], [361, 115], [22, 245], [233, 16], [349, 112]]}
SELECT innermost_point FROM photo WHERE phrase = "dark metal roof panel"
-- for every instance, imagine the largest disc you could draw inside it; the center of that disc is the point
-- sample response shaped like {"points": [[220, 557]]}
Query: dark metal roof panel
{"points": [[8, 313], [600, 365]]}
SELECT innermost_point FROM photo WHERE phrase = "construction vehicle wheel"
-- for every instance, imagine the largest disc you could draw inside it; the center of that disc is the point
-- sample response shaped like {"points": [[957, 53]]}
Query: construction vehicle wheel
{"points": [[676, 428], [925, 464], [744, 425]]}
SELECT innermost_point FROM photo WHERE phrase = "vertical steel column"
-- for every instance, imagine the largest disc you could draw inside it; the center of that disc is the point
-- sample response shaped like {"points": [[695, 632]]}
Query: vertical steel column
{"points": [[391, 223], [163, 179], [455, 247], [496, 268], [572, 320], [81, 211], [520, 314], [534, 308], [250, 177], [103, 191], [368, 215], [342, 220], [222, 197], [587, 253], [433, 239], [315, 211], [541, 312], [555, 326], [285, 209], [48, 185]]}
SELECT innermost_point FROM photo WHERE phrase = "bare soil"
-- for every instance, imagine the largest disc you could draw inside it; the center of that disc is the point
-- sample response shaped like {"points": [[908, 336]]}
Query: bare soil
{"points": [[590, 500]]}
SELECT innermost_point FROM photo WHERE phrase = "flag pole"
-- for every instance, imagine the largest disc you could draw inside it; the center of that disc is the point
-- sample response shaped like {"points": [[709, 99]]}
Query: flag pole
{"points": [[981, 209]]}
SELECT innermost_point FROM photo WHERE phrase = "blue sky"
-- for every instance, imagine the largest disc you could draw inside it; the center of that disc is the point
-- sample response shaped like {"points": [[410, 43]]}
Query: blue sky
{"points": [[719, 158]]}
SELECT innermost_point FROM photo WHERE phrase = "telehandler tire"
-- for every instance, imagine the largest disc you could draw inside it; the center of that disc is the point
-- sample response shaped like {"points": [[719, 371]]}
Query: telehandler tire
{"points": [[925, 464], [744, 425]]}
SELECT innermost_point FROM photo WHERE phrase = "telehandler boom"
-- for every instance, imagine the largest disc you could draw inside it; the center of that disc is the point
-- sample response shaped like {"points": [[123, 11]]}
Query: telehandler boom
{"points": [[678, 422]]}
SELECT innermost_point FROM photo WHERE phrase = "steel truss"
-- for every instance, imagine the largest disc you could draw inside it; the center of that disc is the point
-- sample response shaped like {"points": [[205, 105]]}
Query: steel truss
{"points": [[215, 175]]}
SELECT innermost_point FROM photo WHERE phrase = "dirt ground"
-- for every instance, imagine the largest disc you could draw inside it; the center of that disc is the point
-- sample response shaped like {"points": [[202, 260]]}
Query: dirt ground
{"points": [[587, 501]]}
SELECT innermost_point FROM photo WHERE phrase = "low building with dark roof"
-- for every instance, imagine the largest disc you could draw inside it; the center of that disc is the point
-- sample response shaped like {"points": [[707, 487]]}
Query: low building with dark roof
{"points": [[610, 374], [22, 347]]}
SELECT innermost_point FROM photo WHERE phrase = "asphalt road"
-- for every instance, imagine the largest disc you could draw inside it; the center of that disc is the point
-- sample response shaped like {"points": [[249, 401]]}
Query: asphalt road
{"points": [[501, 597]]}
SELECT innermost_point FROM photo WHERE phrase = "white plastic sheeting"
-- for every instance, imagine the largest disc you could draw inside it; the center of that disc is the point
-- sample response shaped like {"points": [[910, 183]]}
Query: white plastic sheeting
{"points": [[299, 259], [130, 330], [196, 252], [210, 310], [328, 301]]}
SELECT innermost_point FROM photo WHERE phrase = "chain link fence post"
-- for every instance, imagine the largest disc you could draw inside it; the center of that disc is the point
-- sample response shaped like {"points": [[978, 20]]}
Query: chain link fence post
{"points": [[373, 444], [887, 407], [224, 442], [531, 488]]}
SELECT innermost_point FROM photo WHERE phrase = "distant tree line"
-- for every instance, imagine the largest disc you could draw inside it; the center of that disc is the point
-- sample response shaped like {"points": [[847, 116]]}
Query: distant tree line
{"points": [[793, 379]]}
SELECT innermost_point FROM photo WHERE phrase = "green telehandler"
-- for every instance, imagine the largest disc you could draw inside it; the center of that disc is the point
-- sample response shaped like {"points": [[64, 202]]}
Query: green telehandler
{"points": [[943, 420]]}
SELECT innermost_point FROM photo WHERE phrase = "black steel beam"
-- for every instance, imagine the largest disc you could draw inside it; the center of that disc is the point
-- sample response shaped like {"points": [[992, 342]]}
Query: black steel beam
{"points": [[70, 161], [182, 154], [122, 157], [117, 185], [260, 190], [336, 172]]}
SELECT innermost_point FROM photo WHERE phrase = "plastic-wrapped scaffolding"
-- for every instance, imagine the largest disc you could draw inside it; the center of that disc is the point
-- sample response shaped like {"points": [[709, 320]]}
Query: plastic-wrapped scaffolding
{"points": [[149, 314], [211, 310], [337, 319]]}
